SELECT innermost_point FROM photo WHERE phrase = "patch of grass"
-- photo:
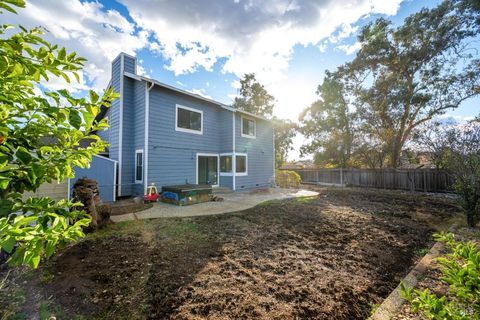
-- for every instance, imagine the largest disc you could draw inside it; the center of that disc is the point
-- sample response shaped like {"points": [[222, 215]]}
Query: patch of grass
{"points": [[45, 310], [49, 310], [144, 307], [180, 228], [373, 307], [306, 199], [46, 277], [123, 228], [12, 302], [269, 202], [422, 251], [15, 316]]}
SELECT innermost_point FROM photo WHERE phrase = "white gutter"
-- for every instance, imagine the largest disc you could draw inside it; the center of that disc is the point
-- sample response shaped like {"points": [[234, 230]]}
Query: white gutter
{"points": [[147, 119], [115, 168], [120, 138], [234, 158]]}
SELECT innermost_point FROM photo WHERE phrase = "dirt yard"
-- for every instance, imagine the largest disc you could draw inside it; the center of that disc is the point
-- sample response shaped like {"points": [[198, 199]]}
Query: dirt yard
{"points": [[335, 256]]}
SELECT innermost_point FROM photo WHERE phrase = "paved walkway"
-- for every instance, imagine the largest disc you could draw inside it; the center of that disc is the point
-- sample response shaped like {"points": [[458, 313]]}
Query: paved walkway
{"points": [[236, 201]]}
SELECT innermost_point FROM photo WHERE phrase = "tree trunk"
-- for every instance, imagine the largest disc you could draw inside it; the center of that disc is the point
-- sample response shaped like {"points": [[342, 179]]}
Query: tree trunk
{"points": [[86, 191], [471, 218], [395, 153]]}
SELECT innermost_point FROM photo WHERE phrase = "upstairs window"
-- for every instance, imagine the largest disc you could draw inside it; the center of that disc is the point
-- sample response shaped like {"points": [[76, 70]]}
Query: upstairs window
{"points": [[138, 166], [189, 120], [248, 128]]}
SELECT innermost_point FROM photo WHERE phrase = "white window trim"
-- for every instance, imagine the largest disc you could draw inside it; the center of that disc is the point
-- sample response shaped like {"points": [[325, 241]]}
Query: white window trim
{"points": [[246, 164], [226, 174], [143, 164], [254, 128], [177, 128], [218, 166]]}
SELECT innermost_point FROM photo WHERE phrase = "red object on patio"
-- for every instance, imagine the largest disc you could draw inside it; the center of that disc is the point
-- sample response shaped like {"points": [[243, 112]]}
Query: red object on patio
{"points": [[152, 194]]}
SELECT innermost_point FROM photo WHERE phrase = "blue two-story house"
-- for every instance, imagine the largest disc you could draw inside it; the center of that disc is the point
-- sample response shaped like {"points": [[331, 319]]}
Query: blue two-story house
{"points": [[164, 135]]}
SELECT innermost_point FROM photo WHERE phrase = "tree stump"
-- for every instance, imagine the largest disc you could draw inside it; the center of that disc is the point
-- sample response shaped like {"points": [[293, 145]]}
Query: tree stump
{"points": [[86, 191]]}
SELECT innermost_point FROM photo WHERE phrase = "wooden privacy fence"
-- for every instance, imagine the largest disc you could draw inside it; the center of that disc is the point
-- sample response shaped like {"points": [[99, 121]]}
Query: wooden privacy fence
{"points": [[426, 180]]}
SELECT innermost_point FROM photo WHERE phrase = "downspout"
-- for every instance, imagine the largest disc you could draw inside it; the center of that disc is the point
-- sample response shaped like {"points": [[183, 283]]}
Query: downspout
{"points": [[234, 158], [147, 120], [115, 169]]}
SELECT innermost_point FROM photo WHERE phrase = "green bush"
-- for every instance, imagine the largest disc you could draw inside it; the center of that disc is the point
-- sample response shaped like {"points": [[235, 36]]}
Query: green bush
{"points": [[287, 179], [460, 269]]}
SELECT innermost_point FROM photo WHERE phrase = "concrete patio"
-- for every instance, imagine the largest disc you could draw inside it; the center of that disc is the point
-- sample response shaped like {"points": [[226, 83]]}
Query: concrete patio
{"points": [[236, 201]]}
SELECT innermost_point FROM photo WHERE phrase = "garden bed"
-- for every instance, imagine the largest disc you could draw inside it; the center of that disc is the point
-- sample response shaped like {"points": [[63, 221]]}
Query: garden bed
{"points": [[125, 206], [337, 255]]}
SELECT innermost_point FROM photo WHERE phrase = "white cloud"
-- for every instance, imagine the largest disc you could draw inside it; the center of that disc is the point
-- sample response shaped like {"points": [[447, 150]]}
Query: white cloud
{"points": [[242, 36], [346, 31], [350, 49], [141, 70], [253, 36], [235, 84], [322, 46], [87, 28], [448, 117], [200, 92]]}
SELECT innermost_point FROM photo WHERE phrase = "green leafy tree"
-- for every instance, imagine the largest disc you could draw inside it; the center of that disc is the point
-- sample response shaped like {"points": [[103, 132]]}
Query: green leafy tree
{"points": [[40, 142], [285, 131], [254, 98], [404, 76], [328, 124], [456, 149], [460, 269]]}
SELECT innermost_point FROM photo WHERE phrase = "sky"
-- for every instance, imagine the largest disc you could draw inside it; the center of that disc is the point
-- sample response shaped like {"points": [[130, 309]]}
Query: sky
{"points": [[206, 46]]}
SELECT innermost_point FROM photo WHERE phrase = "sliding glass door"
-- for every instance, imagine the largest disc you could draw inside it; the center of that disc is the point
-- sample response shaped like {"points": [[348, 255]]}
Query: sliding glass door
{"points": [[208, 170]]}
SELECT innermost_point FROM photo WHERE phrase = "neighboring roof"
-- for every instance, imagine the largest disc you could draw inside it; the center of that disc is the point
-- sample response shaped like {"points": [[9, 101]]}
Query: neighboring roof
{"points": [[197, 96]]}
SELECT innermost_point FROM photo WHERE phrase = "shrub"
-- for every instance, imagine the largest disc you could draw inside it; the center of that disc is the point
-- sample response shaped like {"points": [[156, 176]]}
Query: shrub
{"points": [[287, 179], [460, 269], [41, 141]]}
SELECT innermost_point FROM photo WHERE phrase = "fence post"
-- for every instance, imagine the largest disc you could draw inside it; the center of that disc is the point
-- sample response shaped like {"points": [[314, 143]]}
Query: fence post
{"points": [[316, 176], [341, 177], [424, 181], [413, 181]]}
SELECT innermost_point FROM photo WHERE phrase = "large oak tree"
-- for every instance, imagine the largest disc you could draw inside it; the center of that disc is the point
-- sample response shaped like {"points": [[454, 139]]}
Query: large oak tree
{"points": [[401, 78], [255, 98], [404, 76], [328, 123]]}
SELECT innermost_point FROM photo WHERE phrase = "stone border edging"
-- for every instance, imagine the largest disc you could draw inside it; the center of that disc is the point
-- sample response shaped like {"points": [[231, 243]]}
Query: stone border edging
{"points": [[392, 304]]}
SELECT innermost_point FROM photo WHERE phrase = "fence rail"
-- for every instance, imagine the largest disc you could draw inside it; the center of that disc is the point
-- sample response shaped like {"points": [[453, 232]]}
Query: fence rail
{"points": [[426, 180]]}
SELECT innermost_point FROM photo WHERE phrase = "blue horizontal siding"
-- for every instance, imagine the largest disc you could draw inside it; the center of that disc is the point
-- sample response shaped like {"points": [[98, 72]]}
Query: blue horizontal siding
{"points": [[130, 64], [101, 170], [172, 154], [114, 117], [139, 128], [128, 134], [260, 155], [226, 181]]}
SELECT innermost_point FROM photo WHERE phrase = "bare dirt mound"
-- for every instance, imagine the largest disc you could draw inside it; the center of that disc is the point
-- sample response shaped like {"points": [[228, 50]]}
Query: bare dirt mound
{"points": [[100, 277], [330, 257]]}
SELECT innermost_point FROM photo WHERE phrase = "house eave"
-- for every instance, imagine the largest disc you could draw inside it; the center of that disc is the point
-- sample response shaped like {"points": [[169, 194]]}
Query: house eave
{"points": [[196, 96]]}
